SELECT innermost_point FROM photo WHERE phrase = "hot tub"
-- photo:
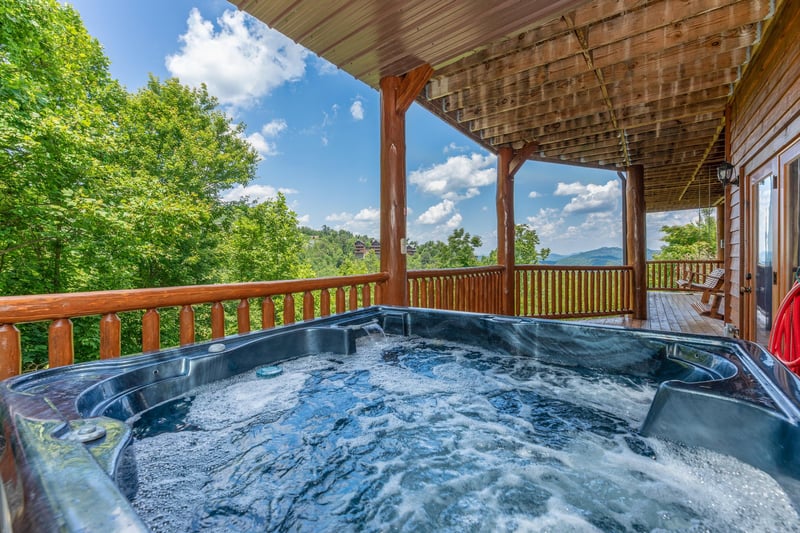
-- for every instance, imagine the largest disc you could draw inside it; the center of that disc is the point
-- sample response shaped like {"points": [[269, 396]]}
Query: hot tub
{"points": [[409, 419]]}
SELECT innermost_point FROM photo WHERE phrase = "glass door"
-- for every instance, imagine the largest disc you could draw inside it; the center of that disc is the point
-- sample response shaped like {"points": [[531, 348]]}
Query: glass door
{"points": [[764, 279], [792, 242]]}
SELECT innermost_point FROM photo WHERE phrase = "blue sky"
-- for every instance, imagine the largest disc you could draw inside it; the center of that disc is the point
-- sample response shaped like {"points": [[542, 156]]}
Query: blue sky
{"points": [[317, 130]]}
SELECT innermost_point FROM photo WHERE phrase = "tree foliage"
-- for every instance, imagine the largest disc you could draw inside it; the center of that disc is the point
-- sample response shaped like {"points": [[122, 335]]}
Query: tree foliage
{"points": [[264, 243], [696, 240], [526, 244]]}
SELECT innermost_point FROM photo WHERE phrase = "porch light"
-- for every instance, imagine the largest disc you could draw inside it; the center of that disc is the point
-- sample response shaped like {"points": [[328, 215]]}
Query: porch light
{"points": [[725, 174]]}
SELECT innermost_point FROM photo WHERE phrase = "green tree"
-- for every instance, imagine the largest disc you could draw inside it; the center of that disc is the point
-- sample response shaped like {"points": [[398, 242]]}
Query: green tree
{"points": [[264, 243], [526, 242], [460, 250], [58, 107], [175, 154], [696, 240], [330, 252]]}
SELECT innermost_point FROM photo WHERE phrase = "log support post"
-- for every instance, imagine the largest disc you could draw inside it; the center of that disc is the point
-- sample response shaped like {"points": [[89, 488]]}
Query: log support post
{"points": [[721, 221], [637, 239], [509, 161], [397, 95]]}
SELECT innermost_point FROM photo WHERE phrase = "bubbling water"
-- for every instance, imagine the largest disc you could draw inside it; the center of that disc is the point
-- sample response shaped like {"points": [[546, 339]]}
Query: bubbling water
{"points": [[420, 435]]}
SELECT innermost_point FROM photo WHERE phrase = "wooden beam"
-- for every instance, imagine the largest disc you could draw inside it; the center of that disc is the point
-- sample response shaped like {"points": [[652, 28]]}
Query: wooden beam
{"points": [[397, 94], [648, 86], [600, 122], [634, 34], [520, 156], [637, 239], [702, 161], [393, 193], [411, 85], [506, 229]]}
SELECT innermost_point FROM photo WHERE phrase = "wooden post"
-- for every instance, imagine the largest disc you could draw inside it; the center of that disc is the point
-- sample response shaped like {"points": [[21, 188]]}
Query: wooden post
{"points": [[110, 336], [151, 331], [509, 161], [11, 350], [59, 343], [637, 239], [721, 232], [397, 95], [505, 228]]}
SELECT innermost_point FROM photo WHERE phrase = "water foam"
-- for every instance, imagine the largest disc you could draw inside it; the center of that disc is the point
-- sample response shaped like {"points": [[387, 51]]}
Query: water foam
{"points": [[423, 435]]}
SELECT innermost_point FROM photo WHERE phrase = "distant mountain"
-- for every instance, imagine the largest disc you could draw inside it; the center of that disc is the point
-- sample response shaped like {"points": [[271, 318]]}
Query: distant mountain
{"points": [[552, 258], [606, 256]]}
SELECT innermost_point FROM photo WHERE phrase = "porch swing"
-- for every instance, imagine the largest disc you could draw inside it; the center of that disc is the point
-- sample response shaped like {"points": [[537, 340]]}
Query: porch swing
{"points": [[784, 340]]}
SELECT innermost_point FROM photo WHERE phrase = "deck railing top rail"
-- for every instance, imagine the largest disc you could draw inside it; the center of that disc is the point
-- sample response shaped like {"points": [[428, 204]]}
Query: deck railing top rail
{"points": [[439, 272], [584, 268], [18, 309]]}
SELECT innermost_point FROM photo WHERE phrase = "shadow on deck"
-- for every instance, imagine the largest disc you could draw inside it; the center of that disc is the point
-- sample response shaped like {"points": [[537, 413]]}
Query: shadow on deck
{"points": [[669, 311]]}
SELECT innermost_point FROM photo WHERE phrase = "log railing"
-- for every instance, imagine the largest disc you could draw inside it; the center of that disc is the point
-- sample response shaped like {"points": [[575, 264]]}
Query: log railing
{"points": [[314, 295], [664, 275], [475, 289], [573, 292]]}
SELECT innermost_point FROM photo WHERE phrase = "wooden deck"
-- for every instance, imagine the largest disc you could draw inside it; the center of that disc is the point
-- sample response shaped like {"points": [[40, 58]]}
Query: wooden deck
{"points": [[669, 311]]}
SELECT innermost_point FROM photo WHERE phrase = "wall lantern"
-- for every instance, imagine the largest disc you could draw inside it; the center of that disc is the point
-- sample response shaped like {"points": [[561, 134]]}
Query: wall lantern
{"points": [[725, 174]]}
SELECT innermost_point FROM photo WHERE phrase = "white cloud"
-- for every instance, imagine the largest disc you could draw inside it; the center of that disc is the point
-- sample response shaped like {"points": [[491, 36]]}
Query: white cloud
{"points": [[259, 141], [589, 198], [241, 62], [569, 189], [455, 221], [262, 146], [339, 217], [655, 221], [547, 222], [453, 147], [357, 110], [304, 219], [367, 220], [274, 127], [457, 173], [368, 214], [255, 193], [325, 67], [436, 213], [533, 194]]}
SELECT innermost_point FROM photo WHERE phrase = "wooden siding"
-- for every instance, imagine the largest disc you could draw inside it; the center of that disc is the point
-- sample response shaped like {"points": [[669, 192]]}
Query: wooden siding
{"points": [[764, 120]]}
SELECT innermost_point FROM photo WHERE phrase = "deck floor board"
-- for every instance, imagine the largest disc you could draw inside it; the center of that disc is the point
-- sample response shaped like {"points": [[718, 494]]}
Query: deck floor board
{"points": [[668, 311]]}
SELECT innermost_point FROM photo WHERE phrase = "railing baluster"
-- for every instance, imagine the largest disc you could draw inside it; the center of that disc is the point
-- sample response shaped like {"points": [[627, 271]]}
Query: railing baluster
{"points": [[11, 348], [217, 320], [353, 292], [308, 306], [151, 331], [340, 300], [243, 316], [59, 343], [366, 296], [186, 321], [267, 313], [324, 302], [110, 336], [288, 309]]}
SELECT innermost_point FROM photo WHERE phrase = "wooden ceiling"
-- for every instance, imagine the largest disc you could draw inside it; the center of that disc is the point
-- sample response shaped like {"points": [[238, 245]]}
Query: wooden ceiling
{"points": [[601, 83]]}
